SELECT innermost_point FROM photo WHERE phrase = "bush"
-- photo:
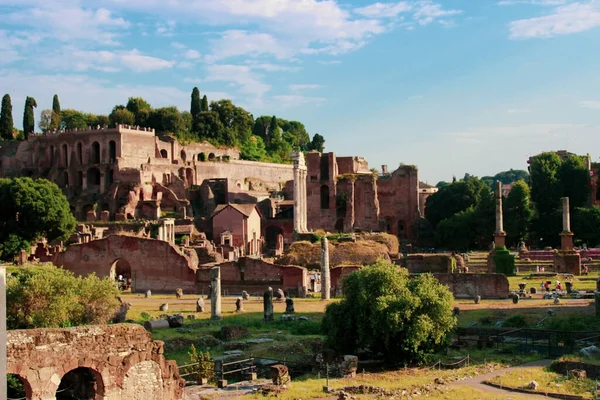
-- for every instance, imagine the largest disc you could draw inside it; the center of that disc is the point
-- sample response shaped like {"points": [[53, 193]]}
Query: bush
{"points": [[50, 297], [515, 321], [389, 313], [504, 261], [202, 365]]}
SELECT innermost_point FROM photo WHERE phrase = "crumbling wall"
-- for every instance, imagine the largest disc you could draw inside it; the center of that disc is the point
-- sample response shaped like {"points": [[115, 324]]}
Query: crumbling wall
{"points": [[467, 286], [435, 263], [127, 364]]}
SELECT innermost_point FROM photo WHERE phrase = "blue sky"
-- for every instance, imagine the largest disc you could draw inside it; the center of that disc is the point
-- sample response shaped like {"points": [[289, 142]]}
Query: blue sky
{"points": [[452, 86]]}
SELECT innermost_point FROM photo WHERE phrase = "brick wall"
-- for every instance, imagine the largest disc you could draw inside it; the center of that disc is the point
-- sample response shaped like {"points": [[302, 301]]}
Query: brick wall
{"points": [[127, 364]]}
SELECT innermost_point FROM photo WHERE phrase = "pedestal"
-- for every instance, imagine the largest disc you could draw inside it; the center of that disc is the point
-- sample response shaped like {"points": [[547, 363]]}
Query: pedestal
{"points": [[566, 240], [500, 239]]}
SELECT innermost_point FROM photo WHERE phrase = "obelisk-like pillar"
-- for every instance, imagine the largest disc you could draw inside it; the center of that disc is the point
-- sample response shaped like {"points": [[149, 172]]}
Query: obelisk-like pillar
{"points": [[299, 192], [499, 235], [215, 293], [325, 272], [566, 236]]}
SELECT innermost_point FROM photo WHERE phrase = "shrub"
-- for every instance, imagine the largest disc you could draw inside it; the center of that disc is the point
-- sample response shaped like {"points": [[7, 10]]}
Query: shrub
{"points": [[203, 366], [504, 261], [515, 321], [50, 297], [384, 310]]}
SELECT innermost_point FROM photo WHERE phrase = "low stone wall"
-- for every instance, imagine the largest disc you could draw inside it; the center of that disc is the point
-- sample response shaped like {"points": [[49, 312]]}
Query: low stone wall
{"points": [[467, 286], [567, 262], [434, 263], [125, 362]]}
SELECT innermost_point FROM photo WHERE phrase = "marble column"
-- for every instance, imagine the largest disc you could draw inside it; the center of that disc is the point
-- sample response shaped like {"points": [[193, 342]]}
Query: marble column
{"points": [[3, 385], [499, 235], [215, 293], [299, 192], [325, 272], [566, 236]]}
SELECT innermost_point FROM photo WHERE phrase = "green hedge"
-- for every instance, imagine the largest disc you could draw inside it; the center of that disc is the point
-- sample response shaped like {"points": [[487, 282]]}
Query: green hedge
{"points": [[504, 261]]}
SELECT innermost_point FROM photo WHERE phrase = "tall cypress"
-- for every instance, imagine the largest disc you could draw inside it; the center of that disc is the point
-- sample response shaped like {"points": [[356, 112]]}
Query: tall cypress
{"points": [[204, 105], [56, 116], [6, 119], [28, 117], [195, 107]]}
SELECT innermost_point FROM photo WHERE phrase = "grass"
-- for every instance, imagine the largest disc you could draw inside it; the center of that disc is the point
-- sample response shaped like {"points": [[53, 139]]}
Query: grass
{"points": [[548, 382], [579, 282]]}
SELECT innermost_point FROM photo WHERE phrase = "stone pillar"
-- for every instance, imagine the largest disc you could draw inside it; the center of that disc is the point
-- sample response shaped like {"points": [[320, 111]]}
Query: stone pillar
{"points": [[3, 386], [299, 192], [325, 272], [499, 235], [566, 236], [215, 293], [268, 305]]}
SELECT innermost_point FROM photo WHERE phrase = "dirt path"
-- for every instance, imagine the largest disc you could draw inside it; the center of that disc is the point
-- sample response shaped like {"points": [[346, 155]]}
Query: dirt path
{"points": [[476, 382]]}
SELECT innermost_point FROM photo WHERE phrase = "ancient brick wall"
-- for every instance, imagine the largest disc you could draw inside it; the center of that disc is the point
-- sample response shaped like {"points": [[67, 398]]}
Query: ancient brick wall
{"points": [[398, 200], [152, 264], [125, 361], [435, 263], [467, 286]]}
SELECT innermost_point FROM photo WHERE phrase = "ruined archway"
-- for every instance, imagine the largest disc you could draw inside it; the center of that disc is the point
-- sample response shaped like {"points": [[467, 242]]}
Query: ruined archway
{"points": [[120, 267], [271, 234], [95, 153], [81, 383], [93, 177], [164, 153], [183, 155], [17, 387], [80, 153], [65, 154], [112, 151], [211, 157], [202, 157]]}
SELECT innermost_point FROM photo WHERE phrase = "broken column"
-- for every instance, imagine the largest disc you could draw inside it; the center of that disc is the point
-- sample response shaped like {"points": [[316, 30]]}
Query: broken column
{"points": [[300, 225], [499, 235], [215, 293], [325, 273], [566, 236]]}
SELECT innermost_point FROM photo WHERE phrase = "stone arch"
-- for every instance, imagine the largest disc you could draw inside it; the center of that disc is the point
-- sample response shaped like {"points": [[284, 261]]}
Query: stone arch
{"points": [[18, 387], [93, 177], [80, 153], [211, 157], [65, 179], [120, 267], [164, 153], [271, 234], [65, 155], [112, 151], [202, 156], [183, 155], [324, 197], [143, 381], [81, 383], [95, 153]]}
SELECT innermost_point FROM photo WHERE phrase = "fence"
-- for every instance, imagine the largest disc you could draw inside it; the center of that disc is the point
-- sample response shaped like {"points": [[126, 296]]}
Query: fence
{"points": [[465, 362]]}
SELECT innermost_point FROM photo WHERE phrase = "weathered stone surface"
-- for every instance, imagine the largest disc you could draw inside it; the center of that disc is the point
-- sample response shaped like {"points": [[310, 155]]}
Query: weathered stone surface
{"points": [[158, 324], [289, 306], [245, 295], [148, 294], [280, 374], [164, 307], [176, 321], [268, 305], [121, 314], [179, 293], [126, 362], [200, 305], [239, 305]]}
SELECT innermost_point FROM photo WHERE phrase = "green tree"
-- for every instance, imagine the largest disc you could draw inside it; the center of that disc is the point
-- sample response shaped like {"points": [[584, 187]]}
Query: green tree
{"points": [[317, 143], [253, 149], [575, 179], [238, 120], [585, 222], [261, 127], [6, 119], [383, 309], [73, 119], [56, 113], [441, 184], [31, 209], [195, 107], [120, 115], [517, 212], [546, 187], [204, 104], [28, 117], [50, 297], [167, 120], [141, 109], [209, 127], [295, 134], [45, 120]]}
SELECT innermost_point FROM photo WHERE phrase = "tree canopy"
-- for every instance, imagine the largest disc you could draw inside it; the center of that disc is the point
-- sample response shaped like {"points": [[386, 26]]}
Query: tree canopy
{"points": [[6, 119], [31, 209], [506, 177], [56, 113], [28, 117], [389, 313], [517, 212]]}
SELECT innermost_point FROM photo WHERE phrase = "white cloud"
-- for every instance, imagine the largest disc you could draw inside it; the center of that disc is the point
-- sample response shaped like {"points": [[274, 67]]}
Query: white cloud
{"points": [[568, 19], [166, 29], [383, 10], [428, 11], [237, 43], [192, 54], [330, 62], [306, 86], [534, 2], [269, 67], [294, 100], [593, 104], [240, 76]]}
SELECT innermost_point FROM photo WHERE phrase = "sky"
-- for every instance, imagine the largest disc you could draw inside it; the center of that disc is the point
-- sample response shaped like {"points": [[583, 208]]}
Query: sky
{"points": [[452, 86]]}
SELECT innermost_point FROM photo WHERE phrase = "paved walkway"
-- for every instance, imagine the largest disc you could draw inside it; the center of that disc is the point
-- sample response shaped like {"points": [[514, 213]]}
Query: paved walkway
{"points": [[476, 382]]}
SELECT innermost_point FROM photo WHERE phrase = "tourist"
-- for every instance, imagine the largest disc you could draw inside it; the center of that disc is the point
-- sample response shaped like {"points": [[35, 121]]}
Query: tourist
{"points": [[537, 268], [558, 286], [547, 286]]}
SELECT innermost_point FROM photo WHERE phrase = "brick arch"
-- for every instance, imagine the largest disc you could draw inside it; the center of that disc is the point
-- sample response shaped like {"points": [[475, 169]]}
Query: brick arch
{"points": [[102, 379], [26, 384]]}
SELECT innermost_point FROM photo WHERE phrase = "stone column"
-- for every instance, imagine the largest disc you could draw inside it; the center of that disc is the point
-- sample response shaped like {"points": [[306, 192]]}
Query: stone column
{"points": [[3, 386], [299, 192], [215, 293], [499, 235], [566, 236], [325, 272]]}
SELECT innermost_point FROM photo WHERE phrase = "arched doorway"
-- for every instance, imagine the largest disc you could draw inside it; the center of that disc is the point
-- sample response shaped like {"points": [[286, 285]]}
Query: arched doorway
{"points": [[80, 153], [202, 157], [93, 177], [271, 234], [120, 267], [164, 153], [81, 383], [65, 154], [183, 155], [17, 387], [211, 157], [95, 153], [112, 151]]}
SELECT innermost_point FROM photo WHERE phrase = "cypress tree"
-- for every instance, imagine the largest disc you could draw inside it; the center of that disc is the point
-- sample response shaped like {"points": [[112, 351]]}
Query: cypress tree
{"points": [[6, 119], [273, 128], [195, 107], [56, 116], [28, 117], [204, 105]]}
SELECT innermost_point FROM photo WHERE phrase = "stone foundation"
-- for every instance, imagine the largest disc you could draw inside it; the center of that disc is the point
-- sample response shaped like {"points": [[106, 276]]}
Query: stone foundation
{"points": [[567, 262]]}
